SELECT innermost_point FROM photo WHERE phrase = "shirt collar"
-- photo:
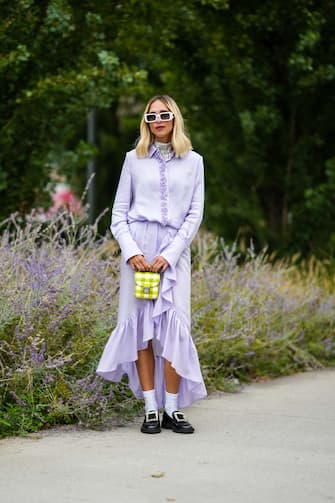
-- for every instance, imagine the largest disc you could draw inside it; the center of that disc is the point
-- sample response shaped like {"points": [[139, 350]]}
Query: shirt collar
{"points": [[152, 149]]}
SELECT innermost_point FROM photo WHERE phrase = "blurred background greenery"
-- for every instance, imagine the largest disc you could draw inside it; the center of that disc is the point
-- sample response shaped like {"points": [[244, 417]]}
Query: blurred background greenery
{"points": [[255, 81]]}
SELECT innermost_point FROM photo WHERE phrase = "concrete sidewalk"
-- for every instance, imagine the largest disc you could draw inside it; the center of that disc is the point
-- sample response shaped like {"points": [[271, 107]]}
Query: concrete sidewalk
{"points": [[272, 443]]}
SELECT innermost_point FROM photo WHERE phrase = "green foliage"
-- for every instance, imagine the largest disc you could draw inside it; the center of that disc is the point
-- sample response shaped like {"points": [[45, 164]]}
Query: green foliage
{"points": [[58, 303], [259, 320], [255, 81], [54, 67], [58, 293]]}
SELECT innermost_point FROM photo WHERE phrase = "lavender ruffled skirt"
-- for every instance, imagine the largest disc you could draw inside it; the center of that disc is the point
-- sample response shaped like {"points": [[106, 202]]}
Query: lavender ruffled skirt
{"points": [[165, 321]]}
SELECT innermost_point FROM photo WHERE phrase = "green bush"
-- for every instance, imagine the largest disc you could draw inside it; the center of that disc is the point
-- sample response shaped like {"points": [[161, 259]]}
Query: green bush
{"points": [[252, 318], [258, 318]]}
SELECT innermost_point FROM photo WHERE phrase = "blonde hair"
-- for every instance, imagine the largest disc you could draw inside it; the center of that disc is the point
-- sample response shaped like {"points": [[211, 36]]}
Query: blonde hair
{"points": [[180, 142]]}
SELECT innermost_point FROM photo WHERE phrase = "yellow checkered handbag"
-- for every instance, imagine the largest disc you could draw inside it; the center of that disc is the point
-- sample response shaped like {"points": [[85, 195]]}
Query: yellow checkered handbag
{"points": [[146, 285]]}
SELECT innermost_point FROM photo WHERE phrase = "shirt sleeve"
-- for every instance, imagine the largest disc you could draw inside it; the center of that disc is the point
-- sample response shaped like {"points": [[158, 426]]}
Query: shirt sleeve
{"points": [[192, 221], [119, 225]]}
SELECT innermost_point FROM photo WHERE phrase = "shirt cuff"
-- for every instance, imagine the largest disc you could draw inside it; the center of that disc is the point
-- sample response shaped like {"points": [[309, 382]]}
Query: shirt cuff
{"points": [[173, 252], [128, 247]]}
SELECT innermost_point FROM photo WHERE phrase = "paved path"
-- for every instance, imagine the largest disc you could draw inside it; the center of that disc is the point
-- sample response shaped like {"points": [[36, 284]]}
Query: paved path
{"points": [[272, 443]]}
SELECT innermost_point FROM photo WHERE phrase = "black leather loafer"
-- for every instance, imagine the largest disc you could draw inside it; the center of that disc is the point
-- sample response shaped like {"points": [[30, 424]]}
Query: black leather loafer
{"points": [[151, 422], [177, 422]]}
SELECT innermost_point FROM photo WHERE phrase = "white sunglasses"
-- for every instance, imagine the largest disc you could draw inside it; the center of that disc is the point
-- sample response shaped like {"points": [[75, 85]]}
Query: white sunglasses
{"points": [[163, 116]]}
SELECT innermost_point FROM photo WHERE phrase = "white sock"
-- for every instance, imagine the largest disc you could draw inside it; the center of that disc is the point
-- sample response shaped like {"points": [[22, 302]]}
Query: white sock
{"points": [[171, 402], [150, 400]]}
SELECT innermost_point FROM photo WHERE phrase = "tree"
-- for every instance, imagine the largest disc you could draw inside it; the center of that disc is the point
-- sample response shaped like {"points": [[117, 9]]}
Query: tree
{"points": [[261, 78], [54, 67], [255, 80]]}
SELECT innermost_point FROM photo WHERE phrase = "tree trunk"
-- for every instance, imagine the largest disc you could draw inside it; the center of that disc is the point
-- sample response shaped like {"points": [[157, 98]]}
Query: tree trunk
{"points": [[289, 168]]}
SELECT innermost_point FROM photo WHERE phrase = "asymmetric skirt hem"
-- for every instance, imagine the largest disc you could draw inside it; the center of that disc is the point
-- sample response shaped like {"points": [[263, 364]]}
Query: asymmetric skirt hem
{"points": [[170, 341]]}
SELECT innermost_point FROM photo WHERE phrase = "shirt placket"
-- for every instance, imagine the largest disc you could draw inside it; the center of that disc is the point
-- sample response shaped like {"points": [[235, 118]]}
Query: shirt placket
{"points": [[164, 193]]}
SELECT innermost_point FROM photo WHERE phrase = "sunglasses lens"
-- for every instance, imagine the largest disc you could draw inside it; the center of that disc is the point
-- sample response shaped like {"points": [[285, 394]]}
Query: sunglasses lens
{"points": [[165, 116], [150, 117]]}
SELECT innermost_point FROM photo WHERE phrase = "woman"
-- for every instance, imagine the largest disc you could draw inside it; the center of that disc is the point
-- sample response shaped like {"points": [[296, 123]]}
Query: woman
{"points": [[157, 212]]}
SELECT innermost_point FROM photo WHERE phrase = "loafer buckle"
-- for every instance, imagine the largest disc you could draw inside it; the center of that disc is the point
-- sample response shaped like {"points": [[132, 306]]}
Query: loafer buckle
{"points": [[151, 416], [179, 416]]}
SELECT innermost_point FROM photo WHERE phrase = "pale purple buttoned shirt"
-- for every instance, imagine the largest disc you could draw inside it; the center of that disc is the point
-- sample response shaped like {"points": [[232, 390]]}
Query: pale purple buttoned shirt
{"points": [[153, 190]]}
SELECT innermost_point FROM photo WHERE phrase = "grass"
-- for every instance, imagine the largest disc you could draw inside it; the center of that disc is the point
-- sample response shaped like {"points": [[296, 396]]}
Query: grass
{"points": [[252, 318]]}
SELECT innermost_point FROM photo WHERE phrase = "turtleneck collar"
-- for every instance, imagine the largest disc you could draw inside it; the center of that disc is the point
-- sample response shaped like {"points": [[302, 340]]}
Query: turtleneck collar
{"points": [[165, 150]]}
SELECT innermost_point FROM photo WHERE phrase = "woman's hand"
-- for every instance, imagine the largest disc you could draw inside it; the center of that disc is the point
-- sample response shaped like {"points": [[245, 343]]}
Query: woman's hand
{"points": [[159, 264], [138, 263]]}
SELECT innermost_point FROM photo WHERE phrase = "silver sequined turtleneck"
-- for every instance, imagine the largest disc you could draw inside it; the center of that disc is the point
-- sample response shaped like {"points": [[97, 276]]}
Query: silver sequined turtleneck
{"points": [[165, 150]]}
